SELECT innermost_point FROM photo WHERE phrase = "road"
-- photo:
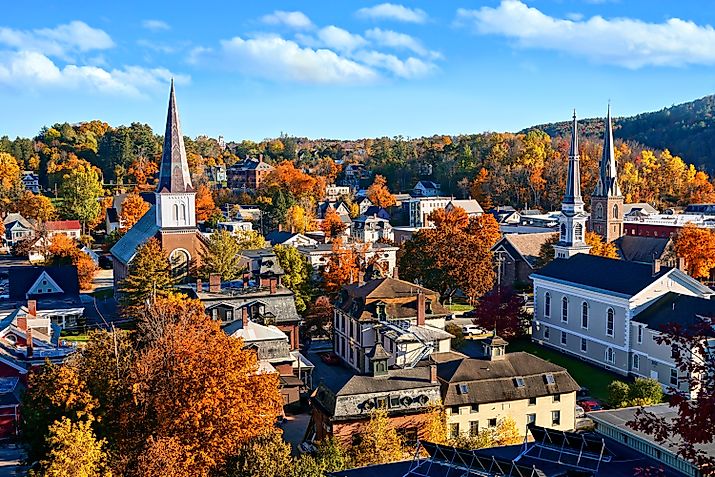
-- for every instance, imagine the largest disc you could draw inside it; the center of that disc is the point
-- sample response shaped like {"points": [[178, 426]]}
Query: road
{"points": [[11, 457]]}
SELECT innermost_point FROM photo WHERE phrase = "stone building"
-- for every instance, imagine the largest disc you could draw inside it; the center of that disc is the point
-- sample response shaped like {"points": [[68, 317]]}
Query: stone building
{"points": [[607, 201]]}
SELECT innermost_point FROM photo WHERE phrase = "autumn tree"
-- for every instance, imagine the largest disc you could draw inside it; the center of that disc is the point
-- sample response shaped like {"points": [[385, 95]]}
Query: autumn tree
{"points": [[74, 450], [319, 318], [35, 206], [81, 188], [10, 182], [697, 246], [342, 267], [298, 220], [332, 225], [249, 240], [297, 274], [205, 205], [599, 247], [507, 433], [379, 194], [133, 209], [63, 251], [142, 168], [165, 457], [265, 455], [199, 386], [435, 429], [502, 310], [153, 321], [285, 176], [222, 255], [149, 276], [379, 442]]}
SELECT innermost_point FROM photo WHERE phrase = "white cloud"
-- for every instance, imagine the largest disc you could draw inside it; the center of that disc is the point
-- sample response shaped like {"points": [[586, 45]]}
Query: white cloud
{"points": [[275, 58], [60, 41], [625, 42], [393, 39], [35, 70], [155, 25], [392, 11], [408, 69], [298, 20], [334, 38]]}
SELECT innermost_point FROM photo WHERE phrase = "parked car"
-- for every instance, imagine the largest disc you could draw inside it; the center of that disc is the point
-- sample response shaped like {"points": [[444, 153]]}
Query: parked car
{"points": [[589, 405], [330, 358], [579, 412], [470, 330], [583, 392]]}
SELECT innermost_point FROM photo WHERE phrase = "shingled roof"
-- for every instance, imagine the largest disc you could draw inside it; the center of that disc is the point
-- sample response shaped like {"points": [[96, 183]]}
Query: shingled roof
{"points": [[174, 169], [674, 308], [527, 246], [495, 381], [634, 248]]}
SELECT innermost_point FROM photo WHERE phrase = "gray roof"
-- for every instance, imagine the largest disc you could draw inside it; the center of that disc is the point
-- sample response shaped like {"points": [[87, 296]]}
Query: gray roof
{"points": [[280, 304], [174, 173], [136, 236], [642, 206], [470, 206], [635, 248], [683, 310], [607, 185]]}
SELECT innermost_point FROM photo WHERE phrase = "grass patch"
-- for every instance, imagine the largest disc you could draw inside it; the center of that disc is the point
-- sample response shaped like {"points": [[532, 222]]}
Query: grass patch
{"points": [[79, 338], [585, 374], [459, 308], [103, 293]]}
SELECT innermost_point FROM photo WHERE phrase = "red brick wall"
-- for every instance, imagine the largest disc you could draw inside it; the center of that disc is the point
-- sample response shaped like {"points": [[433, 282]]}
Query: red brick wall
{"points": [[649, 230], [345, 430]]}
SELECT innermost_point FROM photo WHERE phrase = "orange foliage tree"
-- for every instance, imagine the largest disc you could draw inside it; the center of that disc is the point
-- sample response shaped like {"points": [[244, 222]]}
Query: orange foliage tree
{"points": [[287, 177], [342, 268], [133, 208], [142, 169], [199, 387], [697, 246], [36, 206], [205, 205], [332, 225], [63, 251], [379, 194]]}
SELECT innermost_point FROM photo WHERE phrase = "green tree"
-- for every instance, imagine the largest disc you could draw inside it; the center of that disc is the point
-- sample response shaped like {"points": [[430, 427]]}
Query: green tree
{"points": [[456, 330], [618, 393], [222, 255], [297, 274], [81, 189], [331, 456], [250, 240], [149, 276], [74, 451], [645, 392], [267, 455]]}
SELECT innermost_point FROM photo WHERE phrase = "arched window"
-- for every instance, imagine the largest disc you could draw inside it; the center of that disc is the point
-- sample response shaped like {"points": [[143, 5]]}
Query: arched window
{"points": [[584, 315], [578, 232], [563, 231], [609, 322], [615, 211], [565, 309], [179, 260], [183, 214], [610, 355], [176, 212], [547, 304], [636, 361], [599, 211]]}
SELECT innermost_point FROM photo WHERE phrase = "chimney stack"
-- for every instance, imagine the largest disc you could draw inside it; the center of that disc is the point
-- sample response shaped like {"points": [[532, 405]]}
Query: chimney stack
{"points": [[215, 283], [22, 322], [246, 278], [199, 286], [656, 266], [244, 316], [421, 306], [682, 264], [274, 285], [32, 307], [396, 273], [433, 373]]}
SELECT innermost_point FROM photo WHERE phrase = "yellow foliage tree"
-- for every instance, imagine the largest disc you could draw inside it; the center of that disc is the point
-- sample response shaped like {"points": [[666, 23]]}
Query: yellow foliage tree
{"points": [[697, 246], [599, 247], [379, 442], [298, 219], [133, 208], [75, 451]]}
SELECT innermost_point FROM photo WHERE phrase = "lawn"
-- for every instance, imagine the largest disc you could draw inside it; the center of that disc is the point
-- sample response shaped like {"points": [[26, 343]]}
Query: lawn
{"points": [[594, 378], [80, 338], [459, 308], [103, 293]]}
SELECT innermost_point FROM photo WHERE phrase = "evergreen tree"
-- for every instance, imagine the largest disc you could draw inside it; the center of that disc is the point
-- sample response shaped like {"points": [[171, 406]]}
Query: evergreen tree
{"points": [[149, 276]]}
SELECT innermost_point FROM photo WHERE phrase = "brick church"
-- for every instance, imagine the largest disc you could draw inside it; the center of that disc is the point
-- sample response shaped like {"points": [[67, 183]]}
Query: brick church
{"points": [[172, 217]]}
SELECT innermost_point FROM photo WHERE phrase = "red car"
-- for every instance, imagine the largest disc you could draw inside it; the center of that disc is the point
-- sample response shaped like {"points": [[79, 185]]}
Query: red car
{"points": [[589, 405], [330, 358]]}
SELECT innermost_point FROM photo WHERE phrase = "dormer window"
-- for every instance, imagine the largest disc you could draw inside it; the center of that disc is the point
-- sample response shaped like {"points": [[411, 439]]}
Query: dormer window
{"points": [[428, 307], [519, 381], [381, 311]]}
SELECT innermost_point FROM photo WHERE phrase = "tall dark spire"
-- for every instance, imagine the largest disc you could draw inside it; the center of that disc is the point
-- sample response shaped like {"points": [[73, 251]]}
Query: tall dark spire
{"points": [[607, 185], [573, 180], [174, 169]]}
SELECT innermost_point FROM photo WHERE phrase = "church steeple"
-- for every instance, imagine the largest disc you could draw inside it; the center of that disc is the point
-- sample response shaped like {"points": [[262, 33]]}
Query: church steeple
{"points": [[174, 169], [573, 219], [607, 201]]}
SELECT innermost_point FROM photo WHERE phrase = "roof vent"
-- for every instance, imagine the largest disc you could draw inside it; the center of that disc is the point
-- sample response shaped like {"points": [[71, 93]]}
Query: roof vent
{"points": [[519, 381]]}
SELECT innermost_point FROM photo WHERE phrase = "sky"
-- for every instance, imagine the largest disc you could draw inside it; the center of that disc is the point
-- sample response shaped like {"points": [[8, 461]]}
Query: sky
{"points": [[348, 69]]}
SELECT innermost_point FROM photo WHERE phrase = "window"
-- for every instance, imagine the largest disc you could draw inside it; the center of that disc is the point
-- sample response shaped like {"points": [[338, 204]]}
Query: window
{"points": [[455, 409], [674, 377], [615, 211], [474, 408], [531, 418], [599, 211], [565, 310], [473, 428], [563, 337], [549, 378], [546, 332], [555, 418], [532, 401], [176, 212], [636, 361], [394, 401], [381, 402], [563, 232], [493, 422], [454, 429], [609, 322], [519, 381], [584, 345], [674, 352], [556, 398], [584, 315], [640, 334], [463, 388], [610, 355], [547, 304]]}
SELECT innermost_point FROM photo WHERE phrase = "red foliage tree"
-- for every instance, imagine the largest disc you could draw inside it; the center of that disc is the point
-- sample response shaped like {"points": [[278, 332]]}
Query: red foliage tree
{"points": [[502, 311]]}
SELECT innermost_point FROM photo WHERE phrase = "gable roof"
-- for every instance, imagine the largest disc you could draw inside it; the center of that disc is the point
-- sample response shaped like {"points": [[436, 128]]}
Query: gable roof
{"points": [[640, 206], [527, 246], [277, 237], [15, 217], [138, 235], [674, 308], [611, 275], [635, 248], [56, 225], [428, 184], [23, 278], [470, 206]]}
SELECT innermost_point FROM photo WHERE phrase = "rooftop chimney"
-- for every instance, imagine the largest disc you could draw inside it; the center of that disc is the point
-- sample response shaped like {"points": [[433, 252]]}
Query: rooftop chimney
{"points": [[656, 266], [396, 273], [421, 306], [215, 282], [199, 286], [244, 317], [32, 307], [273, 282], [22, 322], [433, 373], [682, 264]]}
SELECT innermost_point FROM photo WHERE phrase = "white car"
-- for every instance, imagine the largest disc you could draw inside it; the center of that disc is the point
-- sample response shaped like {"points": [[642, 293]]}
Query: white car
{"points": [[469, 330]]}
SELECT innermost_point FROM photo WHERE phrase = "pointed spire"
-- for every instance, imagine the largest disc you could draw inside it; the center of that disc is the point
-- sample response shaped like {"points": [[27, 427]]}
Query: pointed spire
{"points": [[607, 185], [573, 180], [174, 173]]}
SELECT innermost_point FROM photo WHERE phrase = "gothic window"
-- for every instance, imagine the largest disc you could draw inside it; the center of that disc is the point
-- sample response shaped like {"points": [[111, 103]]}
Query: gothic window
{"points": [[565, 309], [578, 232], [599, 211], [615, 211], [636, 361], [584, 315], [183, 214], [563, 231], [610, 355], [176, 212], [609, 322], [547, 304]]}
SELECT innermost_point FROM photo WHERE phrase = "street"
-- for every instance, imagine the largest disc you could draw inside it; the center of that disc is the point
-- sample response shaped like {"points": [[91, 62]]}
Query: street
{"points": [[11, 456]]}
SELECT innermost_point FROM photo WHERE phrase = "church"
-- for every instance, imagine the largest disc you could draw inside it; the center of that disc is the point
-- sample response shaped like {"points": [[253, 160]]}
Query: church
{"points": [[605, 311], [172, 217]]}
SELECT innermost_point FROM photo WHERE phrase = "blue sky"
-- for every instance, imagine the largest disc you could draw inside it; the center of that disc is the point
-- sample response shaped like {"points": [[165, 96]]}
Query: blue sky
{"points": [[349, 69]]}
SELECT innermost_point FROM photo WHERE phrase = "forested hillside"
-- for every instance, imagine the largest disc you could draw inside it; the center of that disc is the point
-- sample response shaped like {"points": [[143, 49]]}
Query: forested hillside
{"points": [[687, 130]]}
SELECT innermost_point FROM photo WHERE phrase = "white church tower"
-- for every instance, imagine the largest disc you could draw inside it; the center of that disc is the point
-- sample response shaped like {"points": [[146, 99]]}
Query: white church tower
{"points": [[573, 218]]}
